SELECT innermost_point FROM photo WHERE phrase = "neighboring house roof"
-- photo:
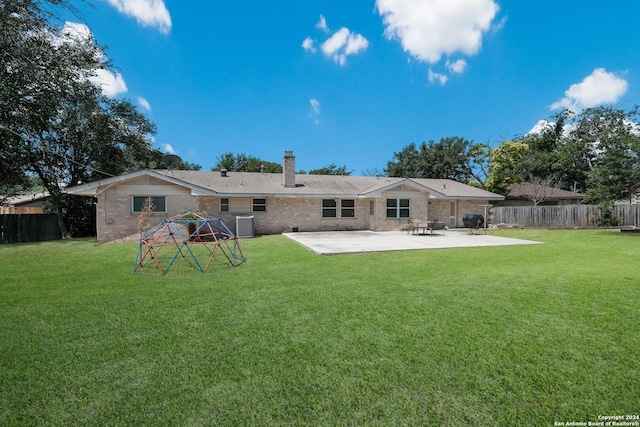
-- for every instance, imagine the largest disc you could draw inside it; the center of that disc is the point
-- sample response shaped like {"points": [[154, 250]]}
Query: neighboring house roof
{"points": [[26, 199], [457, 190], [526, 189], [244, 184]]}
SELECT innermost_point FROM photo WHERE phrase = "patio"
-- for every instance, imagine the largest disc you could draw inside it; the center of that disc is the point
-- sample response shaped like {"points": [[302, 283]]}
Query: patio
{"points": [[349, 242]]}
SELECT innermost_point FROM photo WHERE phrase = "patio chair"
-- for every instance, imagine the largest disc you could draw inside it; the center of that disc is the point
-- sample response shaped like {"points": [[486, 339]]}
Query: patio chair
{"points": [[411, 226], [436, 226]]}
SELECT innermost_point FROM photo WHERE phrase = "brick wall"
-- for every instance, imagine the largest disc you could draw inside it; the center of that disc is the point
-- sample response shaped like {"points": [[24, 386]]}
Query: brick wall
{"points": [[440, 210], [115, 221], [286, 214]]}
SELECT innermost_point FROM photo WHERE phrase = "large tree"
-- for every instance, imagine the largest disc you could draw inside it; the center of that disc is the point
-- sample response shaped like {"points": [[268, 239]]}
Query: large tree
{"points": [[595, 151], [611, 138], [21, 46], [451, 158], [331, 169], [506, 166], [55, 123], [542, 161], [245, 163]]}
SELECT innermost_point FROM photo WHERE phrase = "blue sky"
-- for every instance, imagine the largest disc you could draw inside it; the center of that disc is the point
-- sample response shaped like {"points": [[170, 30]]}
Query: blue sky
{"points": [[353, 82]]}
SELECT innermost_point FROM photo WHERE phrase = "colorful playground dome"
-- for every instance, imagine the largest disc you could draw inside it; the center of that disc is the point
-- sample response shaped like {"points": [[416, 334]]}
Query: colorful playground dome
{"points": [[189, 236]]}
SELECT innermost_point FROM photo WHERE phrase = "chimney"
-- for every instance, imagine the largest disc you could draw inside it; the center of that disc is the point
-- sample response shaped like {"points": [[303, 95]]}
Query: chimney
{"points": [[289, 169]]}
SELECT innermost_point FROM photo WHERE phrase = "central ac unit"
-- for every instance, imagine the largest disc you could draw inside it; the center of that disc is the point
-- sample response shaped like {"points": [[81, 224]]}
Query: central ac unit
{"points": [[244, 226]]}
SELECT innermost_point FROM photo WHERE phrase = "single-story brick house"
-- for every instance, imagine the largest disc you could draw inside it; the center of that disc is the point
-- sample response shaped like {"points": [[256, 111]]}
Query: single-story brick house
{"points": [[281, 202]]}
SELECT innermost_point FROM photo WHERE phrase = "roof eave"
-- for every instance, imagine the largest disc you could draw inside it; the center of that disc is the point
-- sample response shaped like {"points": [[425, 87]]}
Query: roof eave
{"points": [[496, 198], [291, 196], [378, 191], [93, 188]]}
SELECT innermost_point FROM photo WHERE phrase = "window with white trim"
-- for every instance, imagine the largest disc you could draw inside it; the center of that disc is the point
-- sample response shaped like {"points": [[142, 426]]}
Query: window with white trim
{"points": [[224, 204], [338, 208], [329, 208], [348, 208], [259, 205], [398, 208], [159, 203]]}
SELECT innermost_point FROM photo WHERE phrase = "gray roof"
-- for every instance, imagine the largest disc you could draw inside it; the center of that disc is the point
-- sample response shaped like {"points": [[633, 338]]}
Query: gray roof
{"points": [[26, 199], [456, 190], [526, 189], [271, 184]]}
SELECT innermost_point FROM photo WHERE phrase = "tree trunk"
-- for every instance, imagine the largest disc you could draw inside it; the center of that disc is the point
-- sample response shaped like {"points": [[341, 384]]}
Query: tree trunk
{"points": [[63, 227]]}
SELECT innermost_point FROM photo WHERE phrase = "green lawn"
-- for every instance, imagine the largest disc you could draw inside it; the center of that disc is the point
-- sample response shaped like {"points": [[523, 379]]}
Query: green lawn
{"points": [[505, 336]]}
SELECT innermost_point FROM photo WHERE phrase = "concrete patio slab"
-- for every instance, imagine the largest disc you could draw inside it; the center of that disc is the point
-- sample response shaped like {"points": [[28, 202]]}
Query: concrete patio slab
{"points": [[349, 242]]}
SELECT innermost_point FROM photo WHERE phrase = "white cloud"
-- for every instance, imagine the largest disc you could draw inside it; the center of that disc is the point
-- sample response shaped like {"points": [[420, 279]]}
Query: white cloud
{"points": [[500, 25], [540, 127], [431, 29], [76, 31], [167, 148], [315, 110], [315, 105], [356, 43], [457, 67], [150, 13], [342, 43], [600, 87], [428, 29], [322, 24], [339, 45], [334, 43], [112, 84], [309, 45], [545, 125], [144, 103], [437, 77]]}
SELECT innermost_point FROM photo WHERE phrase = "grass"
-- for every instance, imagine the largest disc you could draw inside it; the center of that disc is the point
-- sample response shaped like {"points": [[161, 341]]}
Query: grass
{"points": [[515, 335]]}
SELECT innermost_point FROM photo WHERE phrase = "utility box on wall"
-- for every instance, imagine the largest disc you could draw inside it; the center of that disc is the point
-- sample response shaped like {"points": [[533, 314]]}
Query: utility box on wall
{"points": [[244, 226]]}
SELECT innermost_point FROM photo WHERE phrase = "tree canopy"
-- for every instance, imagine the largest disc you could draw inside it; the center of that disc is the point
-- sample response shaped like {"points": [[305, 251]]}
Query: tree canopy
{"points": [[505, 166], [595, 152], [245, 163], [331, 169], [451, 158], [55, 123]]}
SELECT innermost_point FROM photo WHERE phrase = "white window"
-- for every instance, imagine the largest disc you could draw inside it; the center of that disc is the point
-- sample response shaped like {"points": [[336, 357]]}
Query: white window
{"points": [[398, 208], [332, 207], [259, 205], [348, 208], [153, 203], [329, 208]]}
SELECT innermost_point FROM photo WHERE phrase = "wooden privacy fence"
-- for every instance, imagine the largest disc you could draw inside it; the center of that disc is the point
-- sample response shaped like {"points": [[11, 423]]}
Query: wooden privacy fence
{"points": [[629, 215], [563, 216], [28, 228]]}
